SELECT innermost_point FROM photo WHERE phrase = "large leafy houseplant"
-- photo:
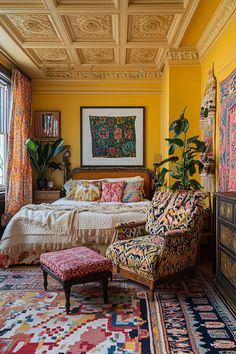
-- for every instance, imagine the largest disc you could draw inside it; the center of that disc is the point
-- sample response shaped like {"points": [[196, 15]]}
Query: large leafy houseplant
{"points": [[41, 155], [181, 166]]}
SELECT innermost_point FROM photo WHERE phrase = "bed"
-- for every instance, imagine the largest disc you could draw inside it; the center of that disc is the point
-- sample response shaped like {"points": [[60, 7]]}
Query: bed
{"points": [[68, 223]]}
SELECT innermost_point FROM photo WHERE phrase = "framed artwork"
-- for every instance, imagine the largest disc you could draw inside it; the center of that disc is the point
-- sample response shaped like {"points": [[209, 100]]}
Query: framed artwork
{"points": [[47, 124], [112, 136]]}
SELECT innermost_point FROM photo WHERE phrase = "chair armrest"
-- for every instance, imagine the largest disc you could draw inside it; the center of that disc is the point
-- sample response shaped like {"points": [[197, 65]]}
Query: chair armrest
{"points": [[173, 233], [126, 231]]}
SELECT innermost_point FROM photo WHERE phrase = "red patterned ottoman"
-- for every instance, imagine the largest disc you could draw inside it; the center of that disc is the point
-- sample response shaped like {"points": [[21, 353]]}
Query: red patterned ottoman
{"points": [[76, 266]]}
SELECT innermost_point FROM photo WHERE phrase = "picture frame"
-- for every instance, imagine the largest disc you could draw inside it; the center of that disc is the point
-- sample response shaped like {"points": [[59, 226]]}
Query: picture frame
{"points": [[47, 124], [112, 136]]}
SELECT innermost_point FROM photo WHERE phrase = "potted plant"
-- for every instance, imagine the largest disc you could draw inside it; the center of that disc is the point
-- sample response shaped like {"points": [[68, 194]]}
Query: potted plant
{"points": [[41, 155], [184, 165]]}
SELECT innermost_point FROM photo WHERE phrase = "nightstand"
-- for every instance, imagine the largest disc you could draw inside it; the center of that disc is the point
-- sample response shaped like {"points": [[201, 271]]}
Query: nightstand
{"points": [[45, 196]]}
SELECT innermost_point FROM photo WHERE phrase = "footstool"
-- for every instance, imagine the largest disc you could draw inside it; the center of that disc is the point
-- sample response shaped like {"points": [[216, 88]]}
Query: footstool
{"points": [[76, 266]]}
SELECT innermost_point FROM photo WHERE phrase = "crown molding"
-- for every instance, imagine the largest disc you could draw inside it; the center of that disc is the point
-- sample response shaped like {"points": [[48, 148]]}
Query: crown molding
{"points": [[103, 75], [70, 87], [221, 18], [182, 55]]}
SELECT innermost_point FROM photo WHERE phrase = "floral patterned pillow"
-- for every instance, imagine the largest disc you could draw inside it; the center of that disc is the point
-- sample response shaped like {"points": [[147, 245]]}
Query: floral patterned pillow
{"points": [[84, 190], [133, 192], [70, 195], [88, 191], [112, 191]]}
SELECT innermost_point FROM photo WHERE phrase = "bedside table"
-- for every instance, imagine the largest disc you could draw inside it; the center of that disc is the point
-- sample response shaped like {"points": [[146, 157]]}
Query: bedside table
{"points": [[45, 196]]}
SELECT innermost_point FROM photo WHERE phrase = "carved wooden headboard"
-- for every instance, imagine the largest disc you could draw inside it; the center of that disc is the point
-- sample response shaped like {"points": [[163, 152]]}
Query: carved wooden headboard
{"points": [[115, 172]]}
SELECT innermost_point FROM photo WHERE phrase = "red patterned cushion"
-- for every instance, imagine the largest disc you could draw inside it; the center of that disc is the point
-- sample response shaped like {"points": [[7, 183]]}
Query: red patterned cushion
{"points": [[112, 191], [75, 262]]}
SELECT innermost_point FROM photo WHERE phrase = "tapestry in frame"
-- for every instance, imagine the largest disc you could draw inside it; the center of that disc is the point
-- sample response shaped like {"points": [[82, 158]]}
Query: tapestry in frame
{"points": [[112, 136], [227, 160]]}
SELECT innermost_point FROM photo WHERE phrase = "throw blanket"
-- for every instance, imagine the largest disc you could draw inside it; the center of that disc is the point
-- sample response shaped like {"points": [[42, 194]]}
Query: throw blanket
{"points": [[45, 227]]}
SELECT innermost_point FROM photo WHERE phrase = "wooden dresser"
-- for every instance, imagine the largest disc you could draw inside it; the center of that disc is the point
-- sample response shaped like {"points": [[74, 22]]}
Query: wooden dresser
{"points": [[225, 203], [45, 196]]}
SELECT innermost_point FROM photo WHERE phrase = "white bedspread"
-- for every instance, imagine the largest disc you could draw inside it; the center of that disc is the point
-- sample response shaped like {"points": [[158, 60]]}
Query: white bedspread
{"points": [[94, 224]]}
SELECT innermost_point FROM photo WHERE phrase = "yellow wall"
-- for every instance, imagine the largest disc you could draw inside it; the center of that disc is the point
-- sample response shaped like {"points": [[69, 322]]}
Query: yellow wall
{"points": [[223, 55], [69, 106], [181, 88]]}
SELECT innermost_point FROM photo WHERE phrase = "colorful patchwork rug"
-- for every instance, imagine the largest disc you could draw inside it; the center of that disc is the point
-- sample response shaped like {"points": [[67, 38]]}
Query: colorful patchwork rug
{"points": [[187, 316]]}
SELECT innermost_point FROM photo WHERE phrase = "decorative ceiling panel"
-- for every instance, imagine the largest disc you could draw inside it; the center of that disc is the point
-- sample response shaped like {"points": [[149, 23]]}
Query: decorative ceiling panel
{"points": [[97, 55], [149, 27], [90, 27], [33, 27], [141, 55], [94, 39], [50, 55]]}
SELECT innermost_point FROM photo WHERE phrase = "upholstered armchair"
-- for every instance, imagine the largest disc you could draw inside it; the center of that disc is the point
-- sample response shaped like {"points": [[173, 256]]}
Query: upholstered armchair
{"points": [[166, 244]]}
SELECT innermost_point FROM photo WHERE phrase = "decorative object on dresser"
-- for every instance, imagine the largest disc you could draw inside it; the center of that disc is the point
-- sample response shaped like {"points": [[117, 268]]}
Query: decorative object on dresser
{"points": [[112, 136], [226, 244], [45, 196], [47, 125]]}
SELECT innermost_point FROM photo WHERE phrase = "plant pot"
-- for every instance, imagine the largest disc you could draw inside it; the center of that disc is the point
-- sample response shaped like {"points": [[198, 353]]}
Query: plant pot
{"points": [[42, 183]]}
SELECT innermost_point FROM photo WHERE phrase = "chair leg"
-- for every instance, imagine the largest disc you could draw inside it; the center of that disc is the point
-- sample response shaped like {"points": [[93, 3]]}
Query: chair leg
{"points": [[152, 289]]}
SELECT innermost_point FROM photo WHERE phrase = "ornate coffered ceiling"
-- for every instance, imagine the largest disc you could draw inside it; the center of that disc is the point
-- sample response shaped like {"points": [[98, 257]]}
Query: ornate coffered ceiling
{"points": [[94, 39]]}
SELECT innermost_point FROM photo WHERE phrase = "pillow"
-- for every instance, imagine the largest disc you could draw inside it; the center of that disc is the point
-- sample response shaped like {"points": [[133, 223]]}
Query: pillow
{"points": [[133, 192], [72, 189], [88, 191], [112, 191], [84, 190]]}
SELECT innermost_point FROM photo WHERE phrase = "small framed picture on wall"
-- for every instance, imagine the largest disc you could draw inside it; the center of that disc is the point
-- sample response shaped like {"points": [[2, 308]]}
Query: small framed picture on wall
{"points": [[47, 124]]}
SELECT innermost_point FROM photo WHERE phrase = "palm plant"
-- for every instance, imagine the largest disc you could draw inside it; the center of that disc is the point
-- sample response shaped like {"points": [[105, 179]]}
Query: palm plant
{"points": [[185, 164], [41, 155]]}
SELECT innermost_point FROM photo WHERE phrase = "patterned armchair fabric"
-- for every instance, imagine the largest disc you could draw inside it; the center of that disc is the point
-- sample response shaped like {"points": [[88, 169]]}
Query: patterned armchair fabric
{"points": [[169, 239]]}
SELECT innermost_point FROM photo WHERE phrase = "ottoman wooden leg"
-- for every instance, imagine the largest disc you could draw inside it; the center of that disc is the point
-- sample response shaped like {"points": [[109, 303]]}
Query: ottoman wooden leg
{"points": [[67, 289], [105, 288], [45, 279]]}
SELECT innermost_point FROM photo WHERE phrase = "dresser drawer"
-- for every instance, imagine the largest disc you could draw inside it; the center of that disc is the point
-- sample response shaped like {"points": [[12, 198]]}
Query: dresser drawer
{"points": [[228, 267], [228, 237], [226, 210]]}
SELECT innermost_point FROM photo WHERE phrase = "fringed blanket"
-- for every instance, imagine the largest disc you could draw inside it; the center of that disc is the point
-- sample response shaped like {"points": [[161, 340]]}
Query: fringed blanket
{"points": [[39, 228]]}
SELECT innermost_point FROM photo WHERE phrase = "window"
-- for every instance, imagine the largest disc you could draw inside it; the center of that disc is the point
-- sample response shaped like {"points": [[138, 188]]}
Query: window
{"points": [[5, 91]]}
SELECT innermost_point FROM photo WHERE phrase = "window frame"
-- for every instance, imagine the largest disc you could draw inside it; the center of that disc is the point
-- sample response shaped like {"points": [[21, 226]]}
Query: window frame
{"points": [[5, 83]]}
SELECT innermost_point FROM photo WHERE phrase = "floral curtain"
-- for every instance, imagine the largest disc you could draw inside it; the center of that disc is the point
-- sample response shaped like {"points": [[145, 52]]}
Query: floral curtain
{"points": [[19, 177]]}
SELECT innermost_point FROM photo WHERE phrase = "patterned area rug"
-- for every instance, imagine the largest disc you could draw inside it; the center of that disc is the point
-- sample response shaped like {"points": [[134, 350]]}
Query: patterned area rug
{"points": [[187, 316]]}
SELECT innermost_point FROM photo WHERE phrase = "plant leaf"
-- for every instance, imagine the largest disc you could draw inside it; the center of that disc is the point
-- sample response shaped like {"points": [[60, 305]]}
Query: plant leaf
{"points": [[175, 141], [195, 184]]}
